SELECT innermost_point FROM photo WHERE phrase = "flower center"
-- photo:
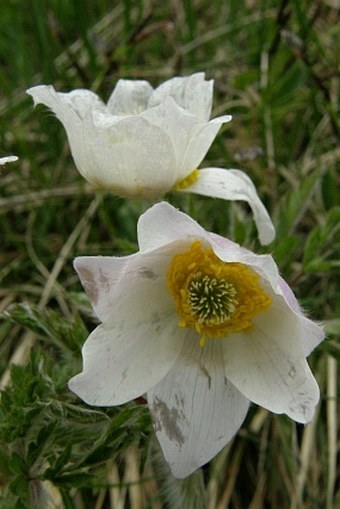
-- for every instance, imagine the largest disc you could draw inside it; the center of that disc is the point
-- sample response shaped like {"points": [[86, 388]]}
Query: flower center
{"points": [[211, 300], [187, 181], [215, 298]]}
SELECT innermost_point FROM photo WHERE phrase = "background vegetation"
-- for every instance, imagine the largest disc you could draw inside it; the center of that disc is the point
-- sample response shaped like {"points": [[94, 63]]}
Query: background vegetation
{"points": [[276, 70]]}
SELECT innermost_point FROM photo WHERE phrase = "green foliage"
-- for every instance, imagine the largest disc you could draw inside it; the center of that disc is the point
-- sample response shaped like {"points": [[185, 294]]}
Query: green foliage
{"points": [[50, 325], [332, 343], [322, 248], [39, 421]]}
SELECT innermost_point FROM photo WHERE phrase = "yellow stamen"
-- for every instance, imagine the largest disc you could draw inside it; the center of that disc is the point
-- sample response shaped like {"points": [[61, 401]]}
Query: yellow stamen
{"points": [[215, 298], [190, 179]]}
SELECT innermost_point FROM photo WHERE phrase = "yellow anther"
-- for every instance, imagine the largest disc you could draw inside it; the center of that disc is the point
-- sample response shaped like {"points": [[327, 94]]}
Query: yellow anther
{"points": [[213, 297], [187, 181]]}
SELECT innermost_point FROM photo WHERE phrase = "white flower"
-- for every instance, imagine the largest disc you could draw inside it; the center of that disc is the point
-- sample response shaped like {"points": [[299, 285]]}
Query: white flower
{"points": [[202, 326], [146, 142], [8, 159]]}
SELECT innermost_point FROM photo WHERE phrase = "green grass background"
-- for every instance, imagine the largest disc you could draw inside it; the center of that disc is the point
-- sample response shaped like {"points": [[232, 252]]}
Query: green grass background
{"points": [[276, 70]]}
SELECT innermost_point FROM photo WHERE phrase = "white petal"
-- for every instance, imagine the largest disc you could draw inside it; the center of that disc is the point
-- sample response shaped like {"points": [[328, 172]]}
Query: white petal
{"points": [[82, 101], [313, 333], [196, 410], [190, 136], [280, 328], [193, 93], [163, 224], [129, 156], [180, 126], [126, 155], [200, 143], [234, 185], [8, 159], [69, 107], [267, 366], [57, 102], [129, 97], [264, 265], [107, 279], [99, 276], [132, 350]]}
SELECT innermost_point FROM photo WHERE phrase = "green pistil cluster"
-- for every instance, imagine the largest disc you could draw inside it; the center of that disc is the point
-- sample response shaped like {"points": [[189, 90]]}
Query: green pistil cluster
{"points": [[212, 300]]}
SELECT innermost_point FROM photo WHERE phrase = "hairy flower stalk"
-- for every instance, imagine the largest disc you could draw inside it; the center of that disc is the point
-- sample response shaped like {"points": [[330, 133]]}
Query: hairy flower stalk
{"points": [[146, 142], [201, 326]]}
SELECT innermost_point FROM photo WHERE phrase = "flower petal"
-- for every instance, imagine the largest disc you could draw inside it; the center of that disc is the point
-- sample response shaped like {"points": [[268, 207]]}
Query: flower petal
{"points": [[8, 159], [234, 185], [268, 367], [100, 275], [264, 265], [201, 142], [122, 154], [190, 136], [107, 279], [69, 107], [196, 410], [313, 332], [192, 93], [180, 126], [129, 97], [163, 224], [130, 156], [131, 351]]}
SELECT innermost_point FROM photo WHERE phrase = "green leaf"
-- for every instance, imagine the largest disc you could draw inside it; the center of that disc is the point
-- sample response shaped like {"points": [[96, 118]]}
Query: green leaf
{"points": [[332, 347], [49, 324], [332, 327], [293, 205], [284, 89], [59, 464], [322, 247], [286, 249], [19, 487], [17, 464], [74, 480], [36, 447]]}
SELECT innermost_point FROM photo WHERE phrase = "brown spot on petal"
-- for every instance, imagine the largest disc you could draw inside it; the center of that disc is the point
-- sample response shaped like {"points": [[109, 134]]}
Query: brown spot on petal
{"points": [[88, 282], [147, 273], [104, 281], [206, 373], [167, 419], [292, 371]]}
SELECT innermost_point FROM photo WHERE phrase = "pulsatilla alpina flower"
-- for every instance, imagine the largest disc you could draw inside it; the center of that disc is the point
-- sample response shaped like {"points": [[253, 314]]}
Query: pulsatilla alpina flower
{"points": [[146, 142], [202, 326]]}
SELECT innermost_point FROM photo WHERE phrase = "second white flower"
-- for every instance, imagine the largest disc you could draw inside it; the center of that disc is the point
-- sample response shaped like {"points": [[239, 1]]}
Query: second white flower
{"points": [[146, 142]]}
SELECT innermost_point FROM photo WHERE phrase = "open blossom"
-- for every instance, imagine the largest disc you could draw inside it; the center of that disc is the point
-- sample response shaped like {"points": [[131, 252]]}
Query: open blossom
{"points": [[145, 142], [202, 327]]}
